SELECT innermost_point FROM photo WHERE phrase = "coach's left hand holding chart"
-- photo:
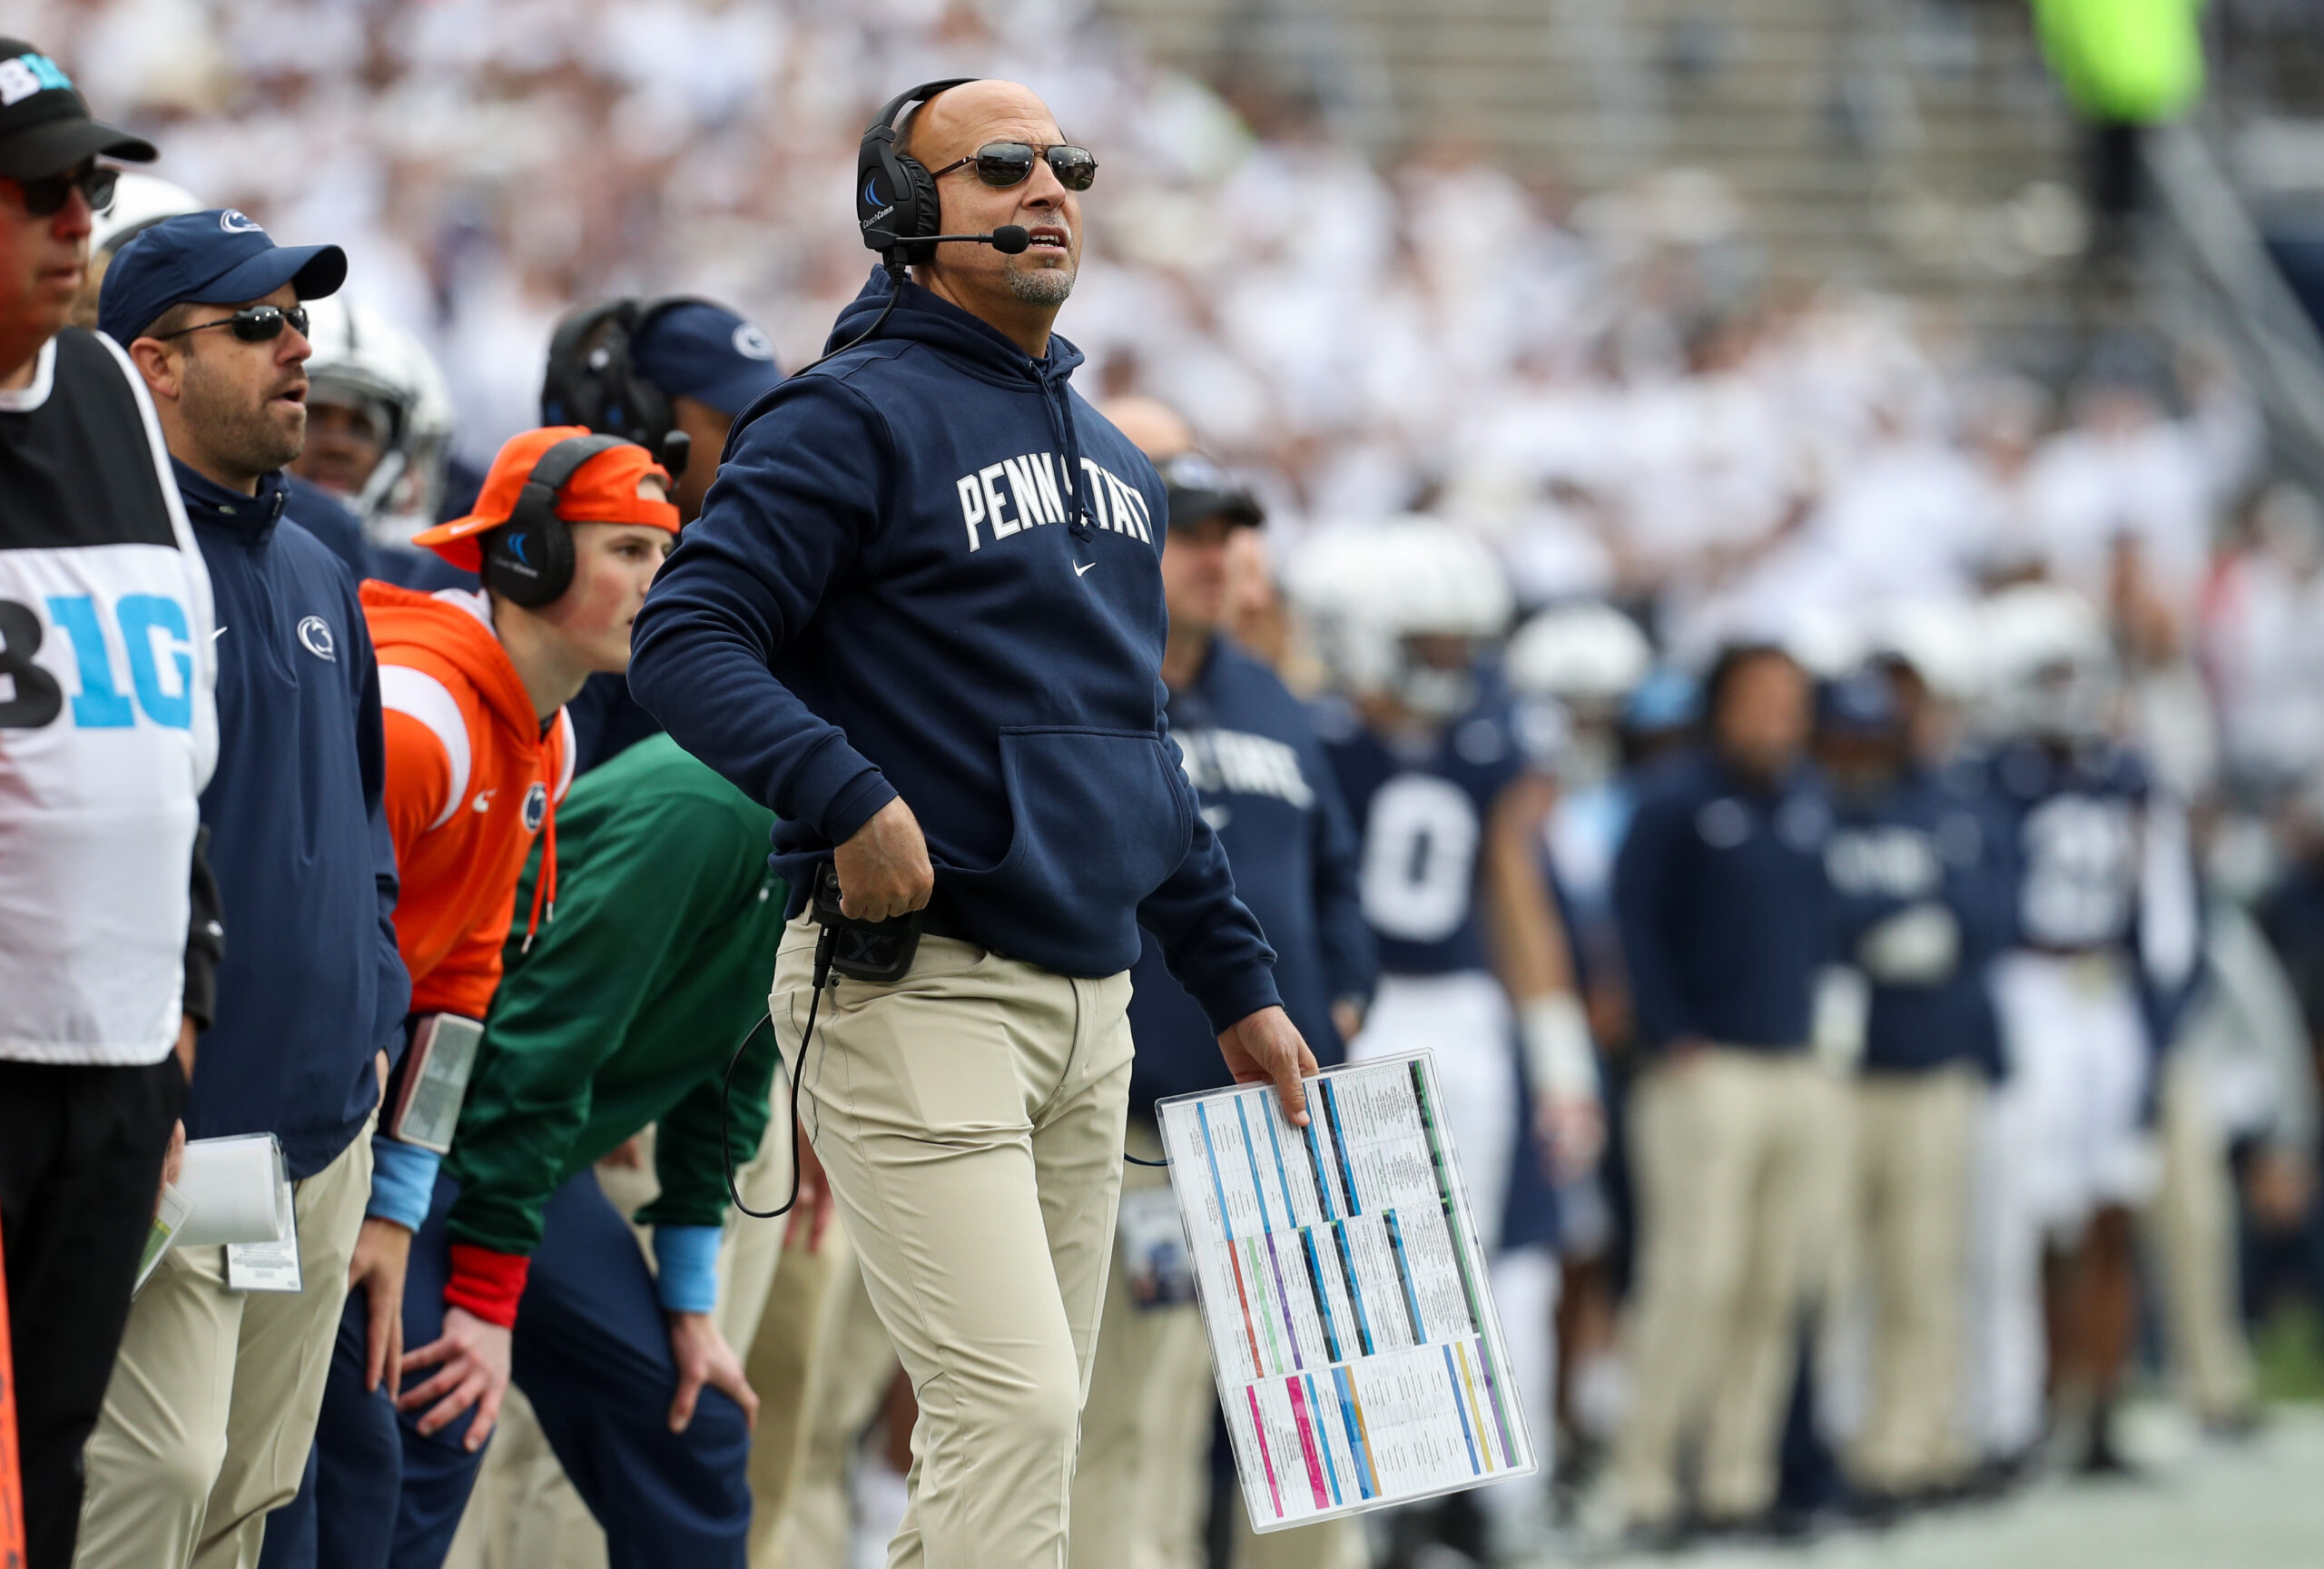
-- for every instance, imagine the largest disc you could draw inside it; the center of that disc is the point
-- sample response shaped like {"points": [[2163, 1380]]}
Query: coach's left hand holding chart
{"points": [[1359, 1357]]}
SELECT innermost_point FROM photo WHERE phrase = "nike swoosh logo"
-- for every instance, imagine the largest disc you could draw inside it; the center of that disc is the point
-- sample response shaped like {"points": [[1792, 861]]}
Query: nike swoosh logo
{"points": [[1084, 566]]}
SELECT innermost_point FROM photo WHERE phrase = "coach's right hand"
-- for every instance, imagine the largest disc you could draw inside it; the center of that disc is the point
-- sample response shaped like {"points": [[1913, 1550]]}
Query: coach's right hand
{"points": [[884, 870]]}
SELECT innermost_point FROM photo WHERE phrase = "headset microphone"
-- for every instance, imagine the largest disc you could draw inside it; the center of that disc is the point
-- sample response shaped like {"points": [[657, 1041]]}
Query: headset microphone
{"points": [[1010, 238]]}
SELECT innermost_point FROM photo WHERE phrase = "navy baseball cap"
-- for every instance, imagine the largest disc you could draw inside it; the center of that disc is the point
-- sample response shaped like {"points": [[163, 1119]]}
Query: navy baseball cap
{"points": [[216, 258], [705, 351], [1862, 705], [45, 126]]}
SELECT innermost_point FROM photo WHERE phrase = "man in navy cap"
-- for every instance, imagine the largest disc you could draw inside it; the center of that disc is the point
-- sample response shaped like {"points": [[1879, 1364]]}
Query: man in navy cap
{"points": [[651, 371], [213, 1401]]}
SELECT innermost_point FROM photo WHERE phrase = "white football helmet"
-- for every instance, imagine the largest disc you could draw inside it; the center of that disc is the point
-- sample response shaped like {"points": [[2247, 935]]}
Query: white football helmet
{"points": [[139, 201], [364, 359], [1368, 591], [1944, 641], [2049, 663], [1587, 655]]}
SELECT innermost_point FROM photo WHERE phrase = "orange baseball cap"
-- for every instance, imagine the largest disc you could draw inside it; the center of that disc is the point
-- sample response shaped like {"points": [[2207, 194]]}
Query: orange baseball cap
{"points": [[602, 490]]}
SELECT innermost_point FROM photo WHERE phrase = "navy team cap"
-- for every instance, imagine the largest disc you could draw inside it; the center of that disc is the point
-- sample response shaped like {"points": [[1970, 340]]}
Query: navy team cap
{"points": [[706, 352], [1862, 705], [216, 258], [45, 126]]}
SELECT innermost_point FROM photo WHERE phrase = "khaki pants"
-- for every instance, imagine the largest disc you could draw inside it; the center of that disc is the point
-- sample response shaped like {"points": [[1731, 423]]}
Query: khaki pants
{"points": [[1915, 1132], [853, 1364], [970, 1118], [213, 1404], [2193, 1219], [1734, 1153], [1141, 1496]]}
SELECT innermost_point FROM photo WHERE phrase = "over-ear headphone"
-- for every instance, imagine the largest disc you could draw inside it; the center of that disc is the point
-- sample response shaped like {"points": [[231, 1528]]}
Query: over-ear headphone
{"points": [[591, 380], [895, 195], [528, 560]]}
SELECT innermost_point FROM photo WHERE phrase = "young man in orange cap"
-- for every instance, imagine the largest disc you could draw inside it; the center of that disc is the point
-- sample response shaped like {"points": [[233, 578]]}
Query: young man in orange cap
{"points": [[566, 534]]}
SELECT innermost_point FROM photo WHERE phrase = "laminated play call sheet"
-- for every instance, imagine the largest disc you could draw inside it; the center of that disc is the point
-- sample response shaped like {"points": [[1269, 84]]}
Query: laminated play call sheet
{"points": [[1358, 1355]]}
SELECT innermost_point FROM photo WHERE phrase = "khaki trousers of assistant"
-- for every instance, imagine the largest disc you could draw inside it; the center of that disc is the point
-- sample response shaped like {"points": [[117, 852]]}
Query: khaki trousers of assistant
{"points": [[970, 1118], [1914, 1134], [853, 1364], [1734, 1151], [2193, 1219], [213, 1399], [1141, 1494]]}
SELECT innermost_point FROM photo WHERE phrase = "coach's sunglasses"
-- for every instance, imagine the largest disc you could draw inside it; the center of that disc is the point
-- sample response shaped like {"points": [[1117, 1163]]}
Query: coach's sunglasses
{"points": [[1001, 165], [254, 324], [45, 197]]}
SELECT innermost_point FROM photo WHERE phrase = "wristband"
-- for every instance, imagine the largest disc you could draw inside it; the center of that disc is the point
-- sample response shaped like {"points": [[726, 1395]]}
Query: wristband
{"points": [[403, 1181], [1558, 1053], [687, 1278], [486, 1284]]}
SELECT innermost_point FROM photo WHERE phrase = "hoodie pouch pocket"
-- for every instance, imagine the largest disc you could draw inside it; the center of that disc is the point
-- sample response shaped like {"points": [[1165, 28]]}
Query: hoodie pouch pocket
{"points": [[1101, 817]]}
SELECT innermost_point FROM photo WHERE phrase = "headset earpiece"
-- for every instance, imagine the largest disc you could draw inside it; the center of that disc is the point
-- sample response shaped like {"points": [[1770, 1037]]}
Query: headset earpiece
{"points": [[895, 195], [528, 560], [592, 380]]}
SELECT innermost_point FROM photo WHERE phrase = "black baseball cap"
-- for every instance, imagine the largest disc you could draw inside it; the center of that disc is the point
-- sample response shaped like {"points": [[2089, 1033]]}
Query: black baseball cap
{"points": [[44, 126], [1198, 487]]}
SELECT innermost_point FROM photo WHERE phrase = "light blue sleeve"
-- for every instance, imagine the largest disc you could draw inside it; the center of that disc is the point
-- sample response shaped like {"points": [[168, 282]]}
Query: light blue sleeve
{"points": [[403, 1181], [688, 1257]]}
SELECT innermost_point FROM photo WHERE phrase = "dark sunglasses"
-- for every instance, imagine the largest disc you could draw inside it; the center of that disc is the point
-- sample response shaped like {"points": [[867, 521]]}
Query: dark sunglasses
{"points": [[252, 323], [1001, 165], [45, 197]]}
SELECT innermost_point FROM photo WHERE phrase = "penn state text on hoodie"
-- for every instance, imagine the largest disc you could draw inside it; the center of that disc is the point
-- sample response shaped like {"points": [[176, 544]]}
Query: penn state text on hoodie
{"points": [[928, 569], [1266, 789], [313, 986]]}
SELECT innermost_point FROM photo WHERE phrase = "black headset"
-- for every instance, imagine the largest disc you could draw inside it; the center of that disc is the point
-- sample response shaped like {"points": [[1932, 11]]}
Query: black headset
{"points": [[895, 195], [528, 560], [591, 380]]}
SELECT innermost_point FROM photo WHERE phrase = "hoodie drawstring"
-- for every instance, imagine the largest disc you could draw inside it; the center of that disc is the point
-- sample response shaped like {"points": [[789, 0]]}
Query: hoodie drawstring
{"points": [[1059, 403], [545, 885]]}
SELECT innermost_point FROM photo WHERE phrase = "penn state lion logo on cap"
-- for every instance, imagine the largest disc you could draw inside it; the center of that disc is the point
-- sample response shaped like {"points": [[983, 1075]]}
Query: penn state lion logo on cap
{"points": [[234, 221], [752, 343]]}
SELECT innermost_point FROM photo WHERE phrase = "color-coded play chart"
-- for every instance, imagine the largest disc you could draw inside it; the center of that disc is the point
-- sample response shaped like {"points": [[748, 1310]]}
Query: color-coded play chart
{"points": [[1358, 1353]]}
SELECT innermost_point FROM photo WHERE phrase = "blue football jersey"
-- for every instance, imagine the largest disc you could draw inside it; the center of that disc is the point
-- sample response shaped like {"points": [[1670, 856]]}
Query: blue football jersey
{"points": [[2075, 833], [1421, 813]]}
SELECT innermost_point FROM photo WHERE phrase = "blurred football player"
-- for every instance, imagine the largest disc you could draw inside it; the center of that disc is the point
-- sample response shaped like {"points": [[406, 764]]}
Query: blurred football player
{"points": [[1425, 742], [1921, 870], [2106, 941], [378, 436]]}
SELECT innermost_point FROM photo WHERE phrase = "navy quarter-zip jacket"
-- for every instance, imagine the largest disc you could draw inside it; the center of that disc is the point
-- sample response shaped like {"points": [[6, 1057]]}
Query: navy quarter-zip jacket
{"points": [[1726, 913], [312, 986], [1266, 789], [928, 569]]}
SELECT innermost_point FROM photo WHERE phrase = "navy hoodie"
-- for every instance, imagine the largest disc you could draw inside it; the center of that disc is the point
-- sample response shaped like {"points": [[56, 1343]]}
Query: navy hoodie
{"points": [[312, 986], [1727, 914], [928, 569], [1266, 789]]}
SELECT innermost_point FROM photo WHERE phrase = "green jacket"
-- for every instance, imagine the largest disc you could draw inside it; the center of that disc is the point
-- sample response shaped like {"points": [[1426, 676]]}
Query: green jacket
{"points": [[630, 1004]]}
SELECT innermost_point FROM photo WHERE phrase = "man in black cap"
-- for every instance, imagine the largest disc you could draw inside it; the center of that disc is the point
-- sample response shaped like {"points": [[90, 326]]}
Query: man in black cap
{"points": [[107, 733], [213, 1400], [649, 370]]}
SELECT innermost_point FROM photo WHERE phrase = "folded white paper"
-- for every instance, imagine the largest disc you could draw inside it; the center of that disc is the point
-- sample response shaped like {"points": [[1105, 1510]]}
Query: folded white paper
{"points": [[236, 1187]]}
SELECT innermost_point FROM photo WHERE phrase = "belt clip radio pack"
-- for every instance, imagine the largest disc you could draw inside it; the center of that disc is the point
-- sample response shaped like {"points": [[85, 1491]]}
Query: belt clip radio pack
{"points": [[864, 950]]}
